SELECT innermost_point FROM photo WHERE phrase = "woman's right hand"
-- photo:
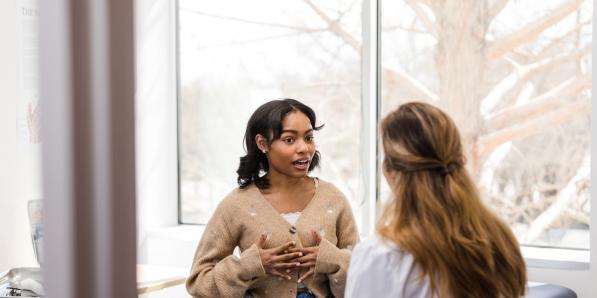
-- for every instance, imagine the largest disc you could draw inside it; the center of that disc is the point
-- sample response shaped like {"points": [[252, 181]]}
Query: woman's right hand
{"points": [[275, 259]]}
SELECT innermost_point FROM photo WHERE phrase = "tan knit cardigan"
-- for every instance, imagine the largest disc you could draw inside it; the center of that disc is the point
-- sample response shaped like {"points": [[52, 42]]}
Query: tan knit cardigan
{"points": [[243, 216]]}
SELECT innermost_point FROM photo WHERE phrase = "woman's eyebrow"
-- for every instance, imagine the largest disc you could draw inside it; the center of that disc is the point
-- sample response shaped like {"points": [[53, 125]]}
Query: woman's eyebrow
{"points": [[295, 131]]}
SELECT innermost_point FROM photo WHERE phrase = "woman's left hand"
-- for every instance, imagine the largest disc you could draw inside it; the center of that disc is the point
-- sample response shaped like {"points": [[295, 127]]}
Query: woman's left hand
{"points": [[309, 257]]}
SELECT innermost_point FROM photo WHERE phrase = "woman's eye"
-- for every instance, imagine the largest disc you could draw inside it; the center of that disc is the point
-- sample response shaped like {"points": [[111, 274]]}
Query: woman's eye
{"points": [[288, 140], [310, 138]]}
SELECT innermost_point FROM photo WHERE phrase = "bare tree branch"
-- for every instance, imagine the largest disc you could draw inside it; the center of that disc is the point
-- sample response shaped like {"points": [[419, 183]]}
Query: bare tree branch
{"points": [[424, 17], [578, 216], [335, 27], [305, 29], [522, 74], [248, 41], [411, 85], [398, 76], [557, 41], [548, 101], [524, 56], [413, 30], [487, 143], [432, 4], [565, 197], [344, 11], [531, 31], [496, 8]]}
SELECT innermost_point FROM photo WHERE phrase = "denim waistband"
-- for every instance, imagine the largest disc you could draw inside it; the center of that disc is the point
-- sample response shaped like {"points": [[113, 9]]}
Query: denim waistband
{"points": [[305, 295]]}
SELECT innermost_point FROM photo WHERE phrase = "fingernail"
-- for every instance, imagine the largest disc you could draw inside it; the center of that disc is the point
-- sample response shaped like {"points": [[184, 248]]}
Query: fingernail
{"points": [[288, 277], [298, 264], [287, 270], [300, 254]]}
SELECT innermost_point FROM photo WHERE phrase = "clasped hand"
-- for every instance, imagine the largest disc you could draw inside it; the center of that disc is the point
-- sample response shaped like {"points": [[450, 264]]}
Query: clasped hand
{"points": [[288, 257]]}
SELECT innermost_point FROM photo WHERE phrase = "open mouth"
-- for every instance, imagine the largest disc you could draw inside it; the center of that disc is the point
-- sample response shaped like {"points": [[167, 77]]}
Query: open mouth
{"points": [[301, 164]]}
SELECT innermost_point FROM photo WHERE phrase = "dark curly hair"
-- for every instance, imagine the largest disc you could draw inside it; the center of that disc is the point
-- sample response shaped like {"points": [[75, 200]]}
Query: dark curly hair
{"points": [[267, 120]]}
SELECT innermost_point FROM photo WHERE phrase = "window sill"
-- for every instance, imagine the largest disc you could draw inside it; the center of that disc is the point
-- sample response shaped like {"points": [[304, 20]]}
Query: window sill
{"points": [[181, 232], [170, 246], [185, 237], [556, 258]]}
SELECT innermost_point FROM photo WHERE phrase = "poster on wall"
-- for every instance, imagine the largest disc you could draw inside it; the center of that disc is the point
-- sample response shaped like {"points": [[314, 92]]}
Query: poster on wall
{"points": [[27, 103], [28, 124]]}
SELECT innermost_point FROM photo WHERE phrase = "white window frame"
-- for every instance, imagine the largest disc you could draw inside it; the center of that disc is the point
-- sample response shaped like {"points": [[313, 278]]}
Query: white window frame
{"points": [[544, 264]]}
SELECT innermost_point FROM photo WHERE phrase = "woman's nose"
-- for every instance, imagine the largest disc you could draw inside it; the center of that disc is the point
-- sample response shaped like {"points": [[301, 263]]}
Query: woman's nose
{"points": [[302, 147]]}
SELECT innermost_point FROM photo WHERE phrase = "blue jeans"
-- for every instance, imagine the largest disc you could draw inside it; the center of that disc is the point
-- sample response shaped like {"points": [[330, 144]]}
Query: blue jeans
{"points": [[298, 295], [305, 295]]}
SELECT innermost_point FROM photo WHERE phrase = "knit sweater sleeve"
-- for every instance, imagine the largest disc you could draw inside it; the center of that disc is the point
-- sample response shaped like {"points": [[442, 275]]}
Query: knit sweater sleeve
{"points": [[333, 260], [216, 272]]}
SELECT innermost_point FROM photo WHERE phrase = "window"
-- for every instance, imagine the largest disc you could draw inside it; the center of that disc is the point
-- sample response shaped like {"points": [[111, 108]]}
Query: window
{"points": [[516, 77], [264, 50]]}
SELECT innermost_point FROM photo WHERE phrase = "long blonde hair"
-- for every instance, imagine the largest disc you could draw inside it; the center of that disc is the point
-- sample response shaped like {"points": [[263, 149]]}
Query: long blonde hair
{"points": [[436, 213]]}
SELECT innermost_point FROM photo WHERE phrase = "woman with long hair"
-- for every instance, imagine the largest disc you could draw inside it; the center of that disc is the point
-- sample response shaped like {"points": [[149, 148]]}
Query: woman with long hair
{"points": [[295, 232], [435, 238]]}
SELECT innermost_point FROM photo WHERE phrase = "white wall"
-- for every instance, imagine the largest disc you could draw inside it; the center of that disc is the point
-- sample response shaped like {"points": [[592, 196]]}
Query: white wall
{"points": [[19, 161]]}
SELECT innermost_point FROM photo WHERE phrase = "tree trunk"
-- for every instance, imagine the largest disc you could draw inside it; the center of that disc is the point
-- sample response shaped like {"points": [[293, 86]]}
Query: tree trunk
{"points": [[460, 62]]}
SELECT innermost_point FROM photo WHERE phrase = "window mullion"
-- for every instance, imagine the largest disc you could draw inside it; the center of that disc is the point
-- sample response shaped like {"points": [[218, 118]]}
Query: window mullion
{"points": [[370, 108]]}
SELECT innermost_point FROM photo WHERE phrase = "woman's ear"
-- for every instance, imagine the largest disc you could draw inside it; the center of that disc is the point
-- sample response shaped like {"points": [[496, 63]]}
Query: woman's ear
{"points": [[390, 176], [261, 143]]}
